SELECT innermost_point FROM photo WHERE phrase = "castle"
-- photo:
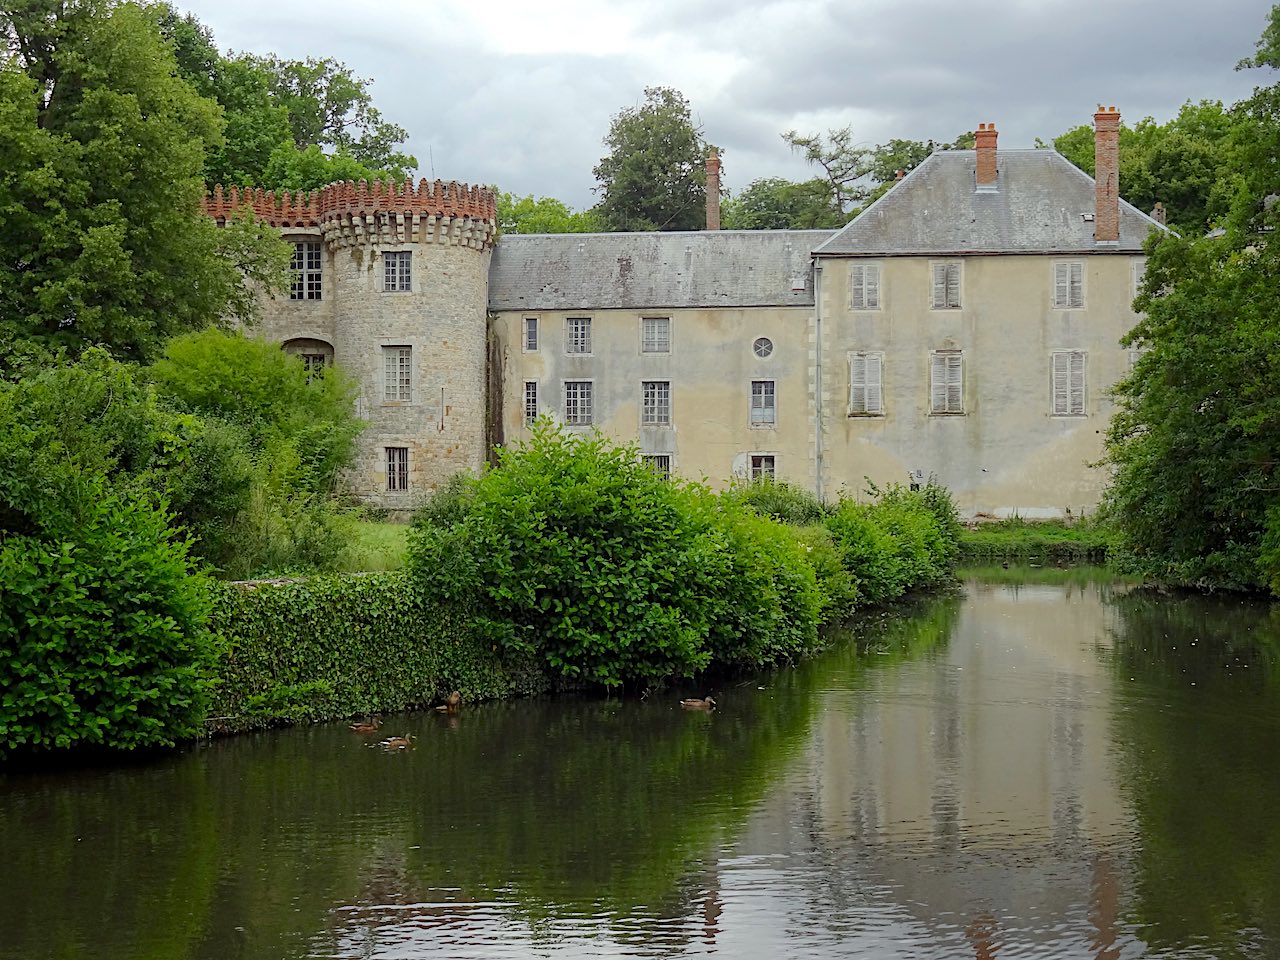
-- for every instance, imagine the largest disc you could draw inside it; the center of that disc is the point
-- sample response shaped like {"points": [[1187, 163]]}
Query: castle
{"points": [[965, 326]]}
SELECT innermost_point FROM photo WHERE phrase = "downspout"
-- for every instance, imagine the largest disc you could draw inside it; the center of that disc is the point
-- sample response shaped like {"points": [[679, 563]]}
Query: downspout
{"points": [[817, 379]]}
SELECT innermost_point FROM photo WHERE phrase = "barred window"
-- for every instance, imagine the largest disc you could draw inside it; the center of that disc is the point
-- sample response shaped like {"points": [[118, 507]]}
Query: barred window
{"points": [[946, 394], [866, 393], [864, 286], [398, 373], [577, 403], [946, 285], [530, 334], [655, 335], [397, 469], [395, 271], [305, 270], [530, 402], [1067, 375], [660, 463], [763, 466], [1068, 285], [763, 411], [578, 335], [655, 403]]}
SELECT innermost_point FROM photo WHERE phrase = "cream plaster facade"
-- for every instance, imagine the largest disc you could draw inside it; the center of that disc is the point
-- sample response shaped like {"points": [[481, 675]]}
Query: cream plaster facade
{"points": [[1043, 277]]}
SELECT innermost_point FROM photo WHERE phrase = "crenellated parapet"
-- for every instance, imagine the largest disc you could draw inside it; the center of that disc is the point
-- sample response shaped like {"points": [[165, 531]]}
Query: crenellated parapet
{"points": [[350, 213]]}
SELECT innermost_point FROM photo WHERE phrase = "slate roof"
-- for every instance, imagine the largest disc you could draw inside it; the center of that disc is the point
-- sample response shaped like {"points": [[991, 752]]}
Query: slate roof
{"points": [[600, 271], [1036, 208]]}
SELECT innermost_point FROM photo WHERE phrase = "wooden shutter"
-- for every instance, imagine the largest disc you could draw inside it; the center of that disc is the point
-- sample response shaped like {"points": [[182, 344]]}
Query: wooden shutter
{"points": [[857, 286], [874, 394], [939, 285], [1068, 383], [871, 286], [865, 393], [947, 383], [1068, 284], [953, 284]]}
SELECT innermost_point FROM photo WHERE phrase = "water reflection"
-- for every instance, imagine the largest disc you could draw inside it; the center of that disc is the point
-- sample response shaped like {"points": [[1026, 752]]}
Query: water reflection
{"points": [[1044, 764]]}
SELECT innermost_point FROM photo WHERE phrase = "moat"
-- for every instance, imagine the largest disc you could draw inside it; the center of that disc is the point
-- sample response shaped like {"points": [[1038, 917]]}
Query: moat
{"points": [[1041, 763]]}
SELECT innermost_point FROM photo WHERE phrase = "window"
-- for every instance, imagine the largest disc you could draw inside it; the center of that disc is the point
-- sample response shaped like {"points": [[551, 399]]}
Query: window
{"points": [[397, 469], [398, 373], [577, 403], [763, 466], [530, 402], [763, 347], [1068, 383], [864, 286], [655, 403], [660, 463], [946, 285], [578, 335], [395, 271], [1139, 271], [314, 362], [763, 411], [946, 382], [530, 334], [866, 395], [655, 335], [305, 267], [1068, 285]]}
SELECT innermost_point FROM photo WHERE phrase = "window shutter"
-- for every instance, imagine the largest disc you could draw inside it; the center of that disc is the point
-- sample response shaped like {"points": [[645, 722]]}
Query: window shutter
{"points": [[1060, 284], [871, 283], [939, 285], [938, 384], [953, 284], [1061, 383], [857, 286], [1076, 398], [954, 384], [858, 384], [1075, 291], [873, 384]]}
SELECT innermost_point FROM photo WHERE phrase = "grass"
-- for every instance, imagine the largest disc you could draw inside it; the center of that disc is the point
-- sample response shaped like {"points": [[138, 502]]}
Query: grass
{"points": [[375, 546], [1080, 541]]}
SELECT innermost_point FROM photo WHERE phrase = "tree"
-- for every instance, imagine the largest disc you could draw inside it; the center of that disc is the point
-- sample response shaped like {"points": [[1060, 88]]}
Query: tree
{"points": [[1184, 164], [1196, 441], [543, 215], [102, 150], [653, 177], [776, 204]]}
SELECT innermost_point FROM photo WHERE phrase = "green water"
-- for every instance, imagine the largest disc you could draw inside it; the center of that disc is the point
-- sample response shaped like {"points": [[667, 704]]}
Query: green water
{"points": [[1036, 765]]}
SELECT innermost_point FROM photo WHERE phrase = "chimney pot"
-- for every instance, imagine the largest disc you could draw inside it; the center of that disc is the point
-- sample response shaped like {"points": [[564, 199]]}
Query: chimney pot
{"points": [[713, 191], [985, 144], [1106, 223]]}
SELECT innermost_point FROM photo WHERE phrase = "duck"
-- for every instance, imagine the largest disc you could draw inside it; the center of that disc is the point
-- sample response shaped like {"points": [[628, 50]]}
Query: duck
{"points": [[693, 703], [451, 704], [366, 726], [398, 743]]}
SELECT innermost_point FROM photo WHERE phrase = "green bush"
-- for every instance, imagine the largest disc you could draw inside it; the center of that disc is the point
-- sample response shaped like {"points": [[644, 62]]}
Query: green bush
{"points": [[337, 646], [779, 500], [838, 589], [102, 632], [574, 549], [867, 552]]}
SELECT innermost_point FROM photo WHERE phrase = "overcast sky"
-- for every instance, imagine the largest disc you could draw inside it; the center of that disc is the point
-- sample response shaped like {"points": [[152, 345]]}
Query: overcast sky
{"points": [[520, 94]]}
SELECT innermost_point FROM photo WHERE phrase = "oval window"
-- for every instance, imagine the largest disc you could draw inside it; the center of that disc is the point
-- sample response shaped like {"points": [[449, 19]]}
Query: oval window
{"points": [[762, 347]]}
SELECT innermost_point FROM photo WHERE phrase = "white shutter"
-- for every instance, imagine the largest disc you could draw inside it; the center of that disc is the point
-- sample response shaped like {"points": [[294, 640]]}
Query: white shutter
{"points": [[871, 285], [938, 384], [1076, 396], [955, 384], [858, 383], [953, 284], [939, 286], [1075, 287], [874, 364], [1068, 383], [857, 287], [1061, 383], [1061, 284]]}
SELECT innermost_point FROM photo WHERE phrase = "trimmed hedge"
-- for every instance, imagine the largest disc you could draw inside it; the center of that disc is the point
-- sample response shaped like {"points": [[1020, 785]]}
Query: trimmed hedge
{"points": [[339, 646]]}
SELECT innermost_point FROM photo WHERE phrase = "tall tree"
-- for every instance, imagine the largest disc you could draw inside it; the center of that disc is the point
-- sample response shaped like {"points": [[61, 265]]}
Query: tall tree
{"points": [[102, 151], [776, 204], [1185, 164], [653, 177], [1196, 441], [543, 215]]}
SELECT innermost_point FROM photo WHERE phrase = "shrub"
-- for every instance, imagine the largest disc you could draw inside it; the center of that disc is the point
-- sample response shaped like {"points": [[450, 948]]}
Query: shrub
{"points": [[102, 632], [838, 589], [575, 550], [867, 552], [779, 500]]}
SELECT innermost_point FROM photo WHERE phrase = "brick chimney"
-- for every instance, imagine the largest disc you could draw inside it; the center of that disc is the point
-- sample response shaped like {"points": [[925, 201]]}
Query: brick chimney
{"points": [[985, 143], [1106, 145], [713, 191]]}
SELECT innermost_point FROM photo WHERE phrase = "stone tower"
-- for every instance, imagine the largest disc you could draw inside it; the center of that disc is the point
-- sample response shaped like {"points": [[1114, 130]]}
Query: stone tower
{"points": [[391, 283]]}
